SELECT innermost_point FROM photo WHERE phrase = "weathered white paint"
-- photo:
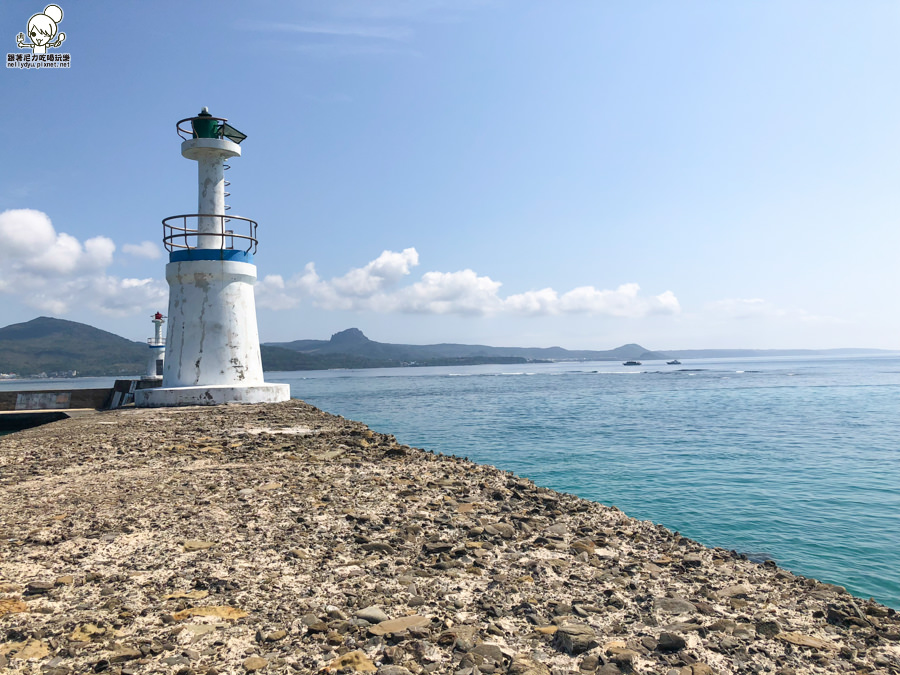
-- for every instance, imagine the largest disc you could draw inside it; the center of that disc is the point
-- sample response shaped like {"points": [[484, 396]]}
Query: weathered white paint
{"points": [[157, 354], [213, 337], [211, 395], [210, 155]]}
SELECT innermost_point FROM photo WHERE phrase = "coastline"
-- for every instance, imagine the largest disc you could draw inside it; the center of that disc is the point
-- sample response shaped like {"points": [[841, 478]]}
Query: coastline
{"points": [[197, 540]]}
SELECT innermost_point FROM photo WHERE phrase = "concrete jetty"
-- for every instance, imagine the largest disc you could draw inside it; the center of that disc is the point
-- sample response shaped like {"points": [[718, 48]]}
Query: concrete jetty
{"points": [[277, 538]]}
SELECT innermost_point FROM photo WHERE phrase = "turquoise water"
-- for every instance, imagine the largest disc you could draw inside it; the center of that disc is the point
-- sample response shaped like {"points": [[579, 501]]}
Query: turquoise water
{"points": [[795, 460]]}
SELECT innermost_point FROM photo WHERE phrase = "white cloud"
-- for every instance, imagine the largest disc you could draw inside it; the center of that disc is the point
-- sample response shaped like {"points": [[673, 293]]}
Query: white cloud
{"points": [[385, 271], [146, 249], [377, 287], [448, 293], [270, 293], [625, 301], [25, 233], [56, 273]]}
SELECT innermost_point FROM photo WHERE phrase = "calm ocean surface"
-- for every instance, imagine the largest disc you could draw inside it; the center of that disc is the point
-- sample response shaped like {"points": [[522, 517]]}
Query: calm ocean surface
{"points": [[793, 459]]}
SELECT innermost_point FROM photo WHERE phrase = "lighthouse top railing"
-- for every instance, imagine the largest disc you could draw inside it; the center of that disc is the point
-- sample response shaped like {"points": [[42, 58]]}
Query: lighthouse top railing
{"points": [[182, 237], [207, 126]]}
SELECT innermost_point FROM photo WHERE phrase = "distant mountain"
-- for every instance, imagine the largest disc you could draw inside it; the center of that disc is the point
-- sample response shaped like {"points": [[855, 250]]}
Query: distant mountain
{"points": [[46, 345], [353, 342]]}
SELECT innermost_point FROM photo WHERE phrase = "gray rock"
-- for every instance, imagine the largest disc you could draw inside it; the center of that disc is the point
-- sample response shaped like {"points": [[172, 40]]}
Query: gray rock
{"points": [[768, 629], [505, 530], [380, 547], [692, 560], [393, 670], [729, 642], [309, 619], [670, 642], [522, 665], [723, 626], [125, 654], [589, 663], [736, 591], [673, 606], [489, 650], [176, 661], [39, 587], [744, 631], [575, 638], [372, 614], [557, 530]]}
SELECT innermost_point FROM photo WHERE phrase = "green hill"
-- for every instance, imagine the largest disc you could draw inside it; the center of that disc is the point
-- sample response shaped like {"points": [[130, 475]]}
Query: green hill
{"points": [[46, 345]]}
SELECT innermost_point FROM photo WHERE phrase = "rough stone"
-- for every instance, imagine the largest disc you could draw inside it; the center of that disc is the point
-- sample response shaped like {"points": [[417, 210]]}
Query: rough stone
{"points": [[768, 629], [372, 614], [253, 663], [576, 638], [355, 660], [673, 606], [394, 670], [399, 625], [523, 665], [197, 545], [493, 587], [670, 642]]}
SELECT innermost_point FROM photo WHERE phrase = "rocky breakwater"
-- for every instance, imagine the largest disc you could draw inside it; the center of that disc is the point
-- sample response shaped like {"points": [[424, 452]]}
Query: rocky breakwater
{"points": [[282, 539]]}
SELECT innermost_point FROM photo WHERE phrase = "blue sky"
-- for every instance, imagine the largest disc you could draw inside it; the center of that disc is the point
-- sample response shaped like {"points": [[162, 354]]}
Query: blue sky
{"points": [[675, 173]]}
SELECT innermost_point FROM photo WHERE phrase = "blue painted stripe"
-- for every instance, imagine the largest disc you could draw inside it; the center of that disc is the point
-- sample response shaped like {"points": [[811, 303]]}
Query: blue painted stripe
{"points": [[185, 255]]}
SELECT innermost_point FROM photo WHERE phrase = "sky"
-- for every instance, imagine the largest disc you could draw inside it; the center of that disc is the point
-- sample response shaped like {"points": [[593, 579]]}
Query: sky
{"points": [[676, 173]]}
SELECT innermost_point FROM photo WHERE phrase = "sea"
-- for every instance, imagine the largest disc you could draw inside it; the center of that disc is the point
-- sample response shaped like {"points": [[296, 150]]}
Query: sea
{"points": [[796, 460]]}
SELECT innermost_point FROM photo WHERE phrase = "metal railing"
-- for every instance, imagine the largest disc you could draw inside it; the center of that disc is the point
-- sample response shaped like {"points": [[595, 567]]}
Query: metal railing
{"points": [[184, 237], [189, 132], [153, 342], [223, 129]]}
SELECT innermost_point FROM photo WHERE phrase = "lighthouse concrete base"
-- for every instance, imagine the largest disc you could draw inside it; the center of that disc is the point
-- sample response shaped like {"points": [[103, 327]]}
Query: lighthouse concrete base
{"points": [[214, 394]]}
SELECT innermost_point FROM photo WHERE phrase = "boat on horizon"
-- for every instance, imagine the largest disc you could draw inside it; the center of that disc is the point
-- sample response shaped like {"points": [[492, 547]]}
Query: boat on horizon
{"points": [[631, 363], [673, 362]]}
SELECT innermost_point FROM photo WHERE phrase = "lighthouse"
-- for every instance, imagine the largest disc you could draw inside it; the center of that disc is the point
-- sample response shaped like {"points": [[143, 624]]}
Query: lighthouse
{"points": [[212, 341], [157, 346]]}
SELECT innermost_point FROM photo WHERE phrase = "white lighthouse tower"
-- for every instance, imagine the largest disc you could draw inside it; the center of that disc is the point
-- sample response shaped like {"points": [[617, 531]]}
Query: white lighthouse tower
{"points": [[212, 342], [157, 346]]}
